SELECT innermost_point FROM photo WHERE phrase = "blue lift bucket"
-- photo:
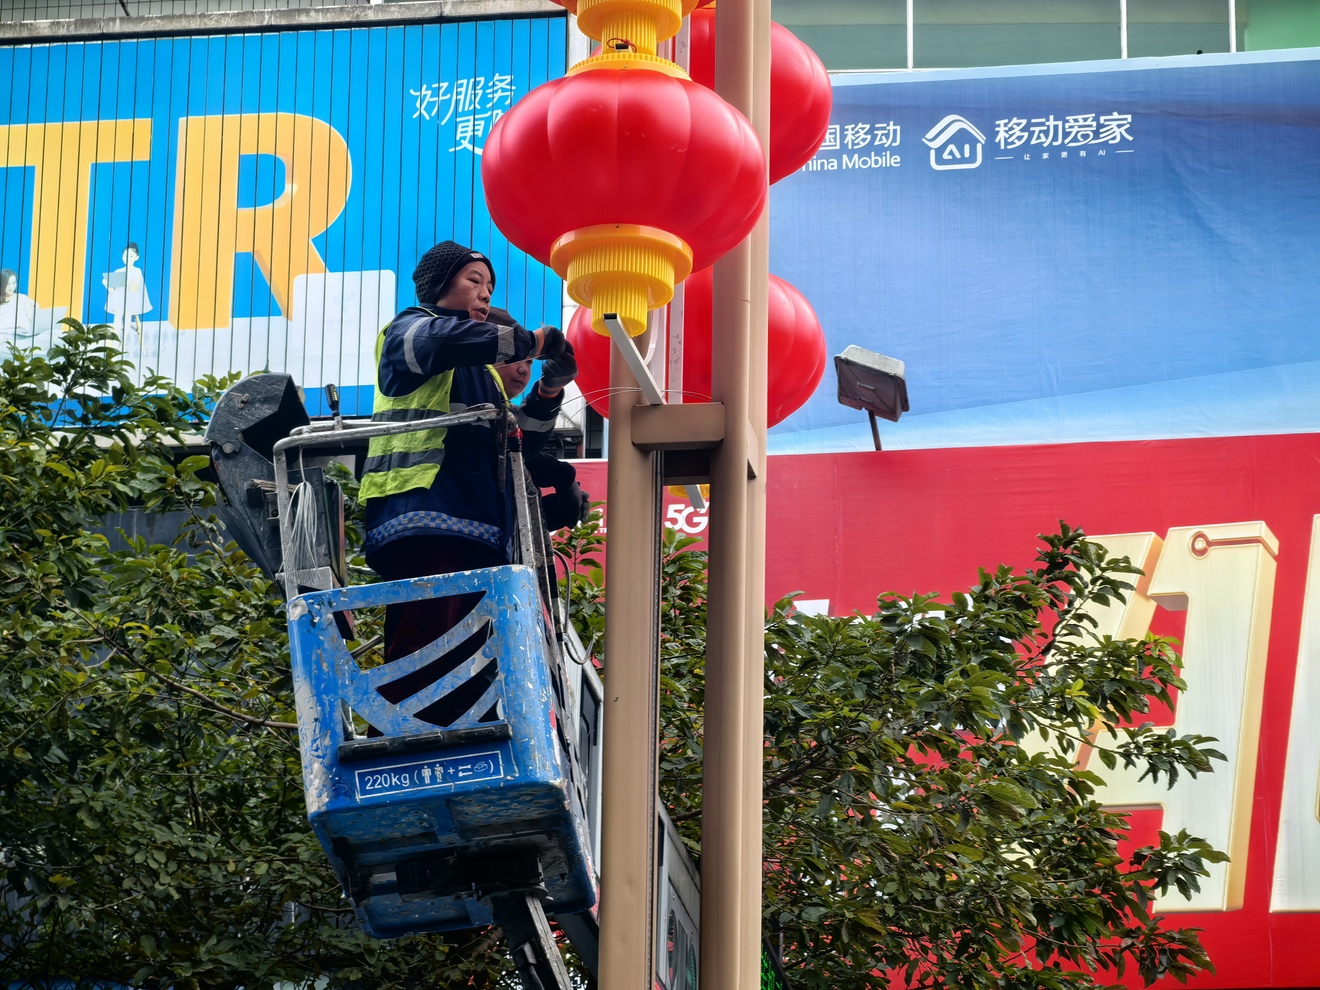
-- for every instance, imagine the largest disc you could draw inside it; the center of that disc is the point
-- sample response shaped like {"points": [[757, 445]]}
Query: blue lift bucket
{"points": [[472, 774], [444, 786]]}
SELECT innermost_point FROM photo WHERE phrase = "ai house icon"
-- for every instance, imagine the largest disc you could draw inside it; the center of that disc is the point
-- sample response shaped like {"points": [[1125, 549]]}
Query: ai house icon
{"points": [[954, 143]]}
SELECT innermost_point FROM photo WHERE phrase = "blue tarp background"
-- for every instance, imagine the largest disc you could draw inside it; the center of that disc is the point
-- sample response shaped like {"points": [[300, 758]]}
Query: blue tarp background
{"points": [[1163, 284]]}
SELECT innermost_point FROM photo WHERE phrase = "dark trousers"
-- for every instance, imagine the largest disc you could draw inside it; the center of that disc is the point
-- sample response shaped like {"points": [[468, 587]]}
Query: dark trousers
{"points": [[412, 625]]}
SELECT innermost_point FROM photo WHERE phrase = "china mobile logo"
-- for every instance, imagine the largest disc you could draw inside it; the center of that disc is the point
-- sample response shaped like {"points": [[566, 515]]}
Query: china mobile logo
{"points": [[954, 142]]}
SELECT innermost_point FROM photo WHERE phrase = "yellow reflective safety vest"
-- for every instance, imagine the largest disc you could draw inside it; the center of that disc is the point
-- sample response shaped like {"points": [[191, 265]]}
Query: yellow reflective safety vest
{"points": [[406, 461]]}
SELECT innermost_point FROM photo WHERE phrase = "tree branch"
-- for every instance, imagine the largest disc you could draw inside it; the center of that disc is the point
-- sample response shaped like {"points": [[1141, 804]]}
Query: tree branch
{"points": [[202, 696], [9, 746], [207, 699]]}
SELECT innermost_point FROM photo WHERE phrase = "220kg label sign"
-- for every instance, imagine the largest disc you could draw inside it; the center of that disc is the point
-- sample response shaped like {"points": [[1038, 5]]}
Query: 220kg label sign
{"points": [[423, 774]]}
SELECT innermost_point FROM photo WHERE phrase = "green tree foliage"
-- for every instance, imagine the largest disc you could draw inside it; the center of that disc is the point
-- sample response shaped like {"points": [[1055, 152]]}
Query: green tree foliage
{"points": [[152, 824], [924, 815]]}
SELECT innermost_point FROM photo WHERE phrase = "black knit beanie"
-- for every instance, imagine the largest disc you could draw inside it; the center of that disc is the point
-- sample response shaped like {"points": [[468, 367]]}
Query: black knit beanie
{"points": [[439, 265]]}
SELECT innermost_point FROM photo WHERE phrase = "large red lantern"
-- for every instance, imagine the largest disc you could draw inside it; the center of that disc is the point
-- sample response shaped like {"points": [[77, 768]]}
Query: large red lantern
{"points": [[795, 344], [624, 175], [800, 94]]}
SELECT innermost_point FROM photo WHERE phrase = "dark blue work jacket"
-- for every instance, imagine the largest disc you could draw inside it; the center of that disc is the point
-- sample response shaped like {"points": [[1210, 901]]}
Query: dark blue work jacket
{"points": [[465, 499]]}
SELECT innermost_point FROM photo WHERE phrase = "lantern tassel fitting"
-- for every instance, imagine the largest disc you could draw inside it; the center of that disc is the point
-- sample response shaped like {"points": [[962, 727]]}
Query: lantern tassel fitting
{"points": [[621, 268], [644, 23]]}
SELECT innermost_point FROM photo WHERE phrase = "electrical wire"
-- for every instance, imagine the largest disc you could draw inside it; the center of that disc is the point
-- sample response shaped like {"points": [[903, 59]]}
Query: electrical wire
{"points": [[303, 525]]}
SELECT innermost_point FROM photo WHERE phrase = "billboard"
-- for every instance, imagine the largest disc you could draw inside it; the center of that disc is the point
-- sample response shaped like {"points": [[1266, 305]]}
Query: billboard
{"points": [[1104, 279], [256, 202], [1090, 251], [1228, 532]]}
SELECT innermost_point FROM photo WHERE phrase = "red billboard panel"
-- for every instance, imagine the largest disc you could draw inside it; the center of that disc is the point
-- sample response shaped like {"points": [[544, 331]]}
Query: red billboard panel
{"points": [[1226, 529]]}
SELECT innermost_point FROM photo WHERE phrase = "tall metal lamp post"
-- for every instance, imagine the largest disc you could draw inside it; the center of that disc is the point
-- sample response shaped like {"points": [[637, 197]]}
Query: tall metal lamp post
{"points": [[625, 176]]}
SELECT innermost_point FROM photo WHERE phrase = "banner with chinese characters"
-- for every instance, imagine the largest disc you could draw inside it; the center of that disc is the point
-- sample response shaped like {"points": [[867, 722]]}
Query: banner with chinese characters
{"points": [[250, 202], [1092, 251]]}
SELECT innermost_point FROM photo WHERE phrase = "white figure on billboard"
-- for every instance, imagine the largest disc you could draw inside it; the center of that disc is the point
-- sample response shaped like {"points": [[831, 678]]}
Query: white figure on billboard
{"points": [[18, 313], [126, 300]]}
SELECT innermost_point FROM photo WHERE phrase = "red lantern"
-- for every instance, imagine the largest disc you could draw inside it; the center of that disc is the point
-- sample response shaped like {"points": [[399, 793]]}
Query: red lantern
{"points": [[632, 160], [800, 94], [796, 350]]}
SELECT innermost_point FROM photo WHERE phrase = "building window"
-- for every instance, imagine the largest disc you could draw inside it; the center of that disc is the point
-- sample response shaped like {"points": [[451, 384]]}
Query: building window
{"points": [[965, 33], [1180, 27], [850, 34], [929, 34]]}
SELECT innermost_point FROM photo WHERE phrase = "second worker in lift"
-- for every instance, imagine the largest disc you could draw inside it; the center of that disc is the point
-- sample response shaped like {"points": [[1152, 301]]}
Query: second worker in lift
{"points": [[434, 501]]}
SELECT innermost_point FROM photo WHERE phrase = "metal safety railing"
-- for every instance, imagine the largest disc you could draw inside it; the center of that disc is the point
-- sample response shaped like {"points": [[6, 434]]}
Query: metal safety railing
{"points": [[532, 543], [334, 433]]}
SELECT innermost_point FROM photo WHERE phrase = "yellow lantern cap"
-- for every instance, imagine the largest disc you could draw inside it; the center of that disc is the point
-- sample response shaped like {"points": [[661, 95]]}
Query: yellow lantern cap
{"points": [[644, 23]]}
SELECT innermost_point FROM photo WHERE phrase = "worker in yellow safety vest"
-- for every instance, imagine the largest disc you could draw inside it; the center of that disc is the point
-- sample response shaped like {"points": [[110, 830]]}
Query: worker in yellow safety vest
{"points": [[439, 501]]}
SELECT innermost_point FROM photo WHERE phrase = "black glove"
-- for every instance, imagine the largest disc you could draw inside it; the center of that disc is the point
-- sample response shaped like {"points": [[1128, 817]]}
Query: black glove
{"points": [[553, 343], [576, 503], [559, 371], [524, 344]]}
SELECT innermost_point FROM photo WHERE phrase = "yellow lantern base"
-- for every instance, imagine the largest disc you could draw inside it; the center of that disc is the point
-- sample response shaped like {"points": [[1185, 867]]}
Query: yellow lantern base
{"points": [[621, 268]]}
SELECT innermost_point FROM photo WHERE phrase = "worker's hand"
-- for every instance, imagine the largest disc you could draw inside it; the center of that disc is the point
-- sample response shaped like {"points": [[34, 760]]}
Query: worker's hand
{"points": [[550, 343], [559, 371], [576, 502], [526, 343]]}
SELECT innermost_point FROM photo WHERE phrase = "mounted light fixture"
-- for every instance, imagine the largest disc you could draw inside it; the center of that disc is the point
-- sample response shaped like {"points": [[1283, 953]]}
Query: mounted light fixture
{"points": [[873, 382]]}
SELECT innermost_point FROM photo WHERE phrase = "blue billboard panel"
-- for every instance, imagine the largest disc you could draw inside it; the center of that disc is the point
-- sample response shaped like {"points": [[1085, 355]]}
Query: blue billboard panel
{"points": [[1097, 251], [250, 202]]}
